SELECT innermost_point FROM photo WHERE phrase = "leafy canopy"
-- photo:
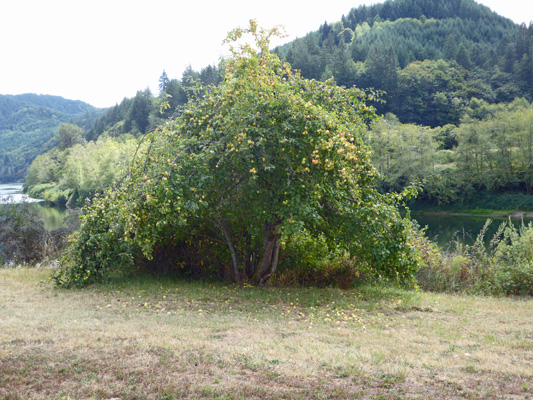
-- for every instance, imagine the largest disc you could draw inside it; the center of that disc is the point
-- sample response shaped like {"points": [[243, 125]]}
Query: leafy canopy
{"points": [[249, 163]]}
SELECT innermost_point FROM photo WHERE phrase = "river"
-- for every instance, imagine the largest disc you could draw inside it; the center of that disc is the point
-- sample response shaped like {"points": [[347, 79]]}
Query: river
{"points": [[11, 193], [52, 216]]}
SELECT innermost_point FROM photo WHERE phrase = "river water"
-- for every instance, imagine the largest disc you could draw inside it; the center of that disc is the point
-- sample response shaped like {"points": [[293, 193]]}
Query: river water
{"points": [[11, 193], [52, 216], [445, 229]]}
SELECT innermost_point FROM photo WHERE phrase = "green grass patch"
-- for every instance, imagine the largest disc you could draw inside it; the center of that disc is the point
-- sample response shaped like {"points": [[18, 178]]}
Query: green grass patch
{"points": [[157, 293]]}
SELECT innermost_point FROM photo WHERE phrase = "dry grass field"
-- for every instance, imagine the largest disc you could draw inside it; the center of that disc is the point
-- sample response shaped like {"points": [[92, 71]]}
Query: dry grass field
{"points": [[150, 339]]}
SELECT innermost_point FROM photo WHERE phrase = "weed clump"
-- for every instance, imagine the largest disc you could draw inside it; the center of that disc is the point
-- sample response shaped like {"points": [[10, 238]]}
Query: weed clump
{"points": [[503, 267]]}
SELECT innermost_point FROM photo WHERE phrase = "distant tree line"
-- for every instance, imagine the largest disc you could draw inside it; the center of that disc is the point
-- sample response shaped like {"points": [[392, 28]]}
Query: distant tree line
{"points": [[490, 151]]}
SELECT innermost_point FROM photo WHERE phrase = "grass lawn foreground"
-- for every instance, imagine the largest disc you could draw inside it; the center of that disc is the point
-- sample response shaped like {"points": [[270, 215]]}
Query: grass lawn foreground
{"points": [[163, 339]]}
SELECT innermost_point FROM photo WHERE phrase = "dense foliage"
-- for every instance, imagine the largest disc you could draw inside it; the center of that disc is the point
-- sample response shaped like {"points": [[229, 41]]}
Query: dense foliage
{"points": [[28, 124], [250, 163], [491, 151], [430, 57], [76, 170]]}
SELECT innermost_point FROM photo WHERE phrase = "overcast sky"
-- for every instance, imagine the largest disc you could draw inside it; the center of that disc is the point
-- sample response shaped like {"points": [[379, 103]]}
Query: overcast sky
{"points": [[101, 51]]}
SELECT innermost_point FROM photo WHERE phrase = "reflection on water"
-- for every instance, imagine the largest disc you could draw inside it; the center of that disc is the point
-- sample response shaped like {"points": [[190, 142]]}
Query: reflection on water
{"points": [[52, 216], [444, 229]]}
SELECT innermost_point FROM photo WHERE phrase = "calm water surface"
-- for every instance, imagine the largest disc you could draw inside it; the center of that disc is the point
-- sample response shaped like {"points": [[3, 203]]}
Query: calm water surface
{"points": [[52, 216], [444, 229]]}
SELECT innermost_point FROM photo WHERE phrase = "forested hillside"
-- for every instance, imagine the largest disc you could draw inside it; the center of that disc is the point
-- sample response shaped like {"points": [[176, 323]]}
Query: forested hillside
{"points": [[28, 124], [430, 57], [427, 59], [447, 66]]}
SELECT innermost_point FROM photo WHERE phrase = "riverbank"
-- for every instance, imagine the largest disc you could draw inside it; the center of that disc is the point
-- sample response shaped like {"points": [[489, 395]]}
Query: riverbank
{"points": [[51, 215], [177, 339], [505, 205]]}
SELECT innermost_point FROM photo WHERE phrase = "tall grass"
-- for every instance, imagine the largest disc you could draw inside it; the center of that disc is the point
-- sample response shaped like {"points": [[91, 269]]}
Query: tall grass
{"points": [[504, 267]]}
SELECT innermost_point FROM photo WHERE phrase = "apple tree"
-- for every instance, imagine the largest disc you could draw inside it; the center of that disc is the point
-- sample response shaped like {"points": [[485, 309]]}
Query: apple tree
{"points": [[250, 162]]}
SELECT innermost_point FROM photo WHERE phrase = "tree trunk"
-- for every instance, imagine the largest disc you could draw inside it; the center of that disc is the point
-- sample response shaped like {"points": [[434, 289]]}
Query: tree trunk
{"points": [[234, 257], [269, 259]]}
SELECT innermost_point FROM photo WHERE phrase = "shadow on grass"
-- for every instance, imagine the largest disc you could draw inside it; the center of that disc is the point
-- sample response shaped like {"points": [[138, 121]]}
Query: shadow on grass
{"points": [[366, 296]]}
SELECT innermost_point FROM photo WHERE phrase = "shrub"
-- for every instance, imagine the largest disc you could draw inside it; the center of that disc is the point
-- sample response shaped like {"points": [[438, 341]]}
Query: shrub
{"points": [[23, 237], [103, 242], [37, 191], [516, 279], [309, 261]]}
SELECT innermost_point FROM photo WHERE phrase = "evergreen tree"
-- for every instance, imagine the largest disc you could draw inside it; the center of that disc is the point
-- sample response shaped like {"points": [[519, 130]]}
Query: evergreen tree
{"points": [[210, 75], [381, 73], [174, 91], [509, 58], [137, 120], [69, 135], [163, 82], [343, 68], [450, 48], [523, 74], [463, 59]]}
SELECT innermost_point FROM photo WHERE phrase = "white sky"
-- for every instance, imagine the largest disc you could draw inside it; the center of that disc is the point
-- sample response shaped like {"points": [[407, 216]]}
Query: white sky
{"points": [[101, 51]]}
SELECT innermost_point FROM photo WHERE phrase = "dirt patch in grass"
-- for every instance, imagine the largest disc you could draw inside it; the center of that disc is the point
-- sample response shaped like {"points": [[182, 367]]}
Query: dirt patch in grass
{"points": [[174, 340]]}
